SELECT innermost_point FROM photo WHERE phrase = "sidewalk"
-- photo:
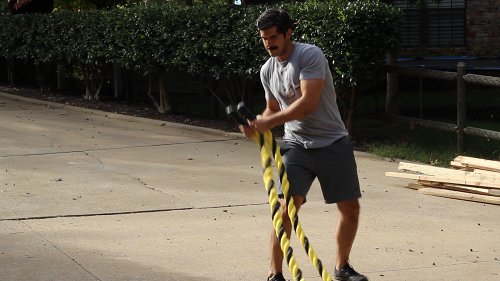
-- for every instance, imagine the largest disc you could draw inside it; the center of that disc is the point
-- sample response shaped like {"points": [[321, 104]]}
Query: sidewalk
{"points": [[88, 195]]}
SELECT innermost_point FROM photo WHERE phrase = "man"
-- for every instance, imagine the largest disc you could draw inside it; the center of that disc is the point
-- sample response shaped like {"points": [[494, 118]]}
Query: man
{"points": [[300, 94]]}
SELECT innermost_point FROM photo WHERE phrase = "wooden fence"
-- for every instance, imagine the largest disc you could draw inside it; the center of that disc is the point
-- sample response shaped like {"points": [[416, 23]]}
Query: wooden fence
{"points": [[461, 77]]}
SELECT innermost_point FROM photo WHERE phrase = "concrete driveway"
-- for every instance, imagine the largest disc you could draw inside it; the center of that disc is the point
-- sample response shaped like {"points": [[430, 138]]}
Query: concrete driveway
{"points": [[89, 195]]}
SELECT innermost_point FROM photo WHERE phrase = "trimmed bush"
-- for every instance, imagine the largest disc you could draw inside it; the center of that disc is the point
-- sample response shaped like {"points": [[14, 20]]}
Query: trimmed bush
{"points": [[219, 42]]}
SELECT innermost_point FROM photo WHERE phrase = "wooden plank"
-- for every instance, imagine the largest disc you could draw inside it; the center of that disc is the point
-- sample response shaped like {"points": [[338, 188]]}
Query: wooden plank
{"points": [[459, 187], [415, 186], [458, 165], [479, 163], [494, 192], [427, 169], [466, 188], [460, 195], [486, 173], [465, 180], [463, 167], [447, 172], [431, 183]]}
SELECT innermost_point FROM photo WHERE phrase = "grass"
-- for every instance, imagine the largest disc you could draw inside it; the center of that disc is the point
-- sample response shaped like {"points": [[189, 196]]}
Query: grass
{"points": [[425, 145]]}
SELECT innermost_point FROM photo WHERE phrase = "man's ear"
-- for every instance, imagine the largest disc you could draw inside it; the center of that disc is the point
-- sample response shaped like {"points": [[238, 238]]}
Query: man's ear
{"points": [[289, 33]]}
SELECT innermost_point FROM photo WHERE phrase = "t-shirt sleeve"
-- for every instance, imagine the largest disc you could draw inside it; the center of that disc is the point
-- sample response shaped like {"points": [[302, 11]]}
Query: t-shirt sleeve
{"points": [[314, 64]]}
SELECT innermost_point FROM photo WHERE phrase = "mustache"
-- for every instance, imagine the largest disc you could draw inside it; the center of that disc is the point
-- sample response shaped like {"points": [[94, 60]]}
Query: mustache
{"points": [[272, 48]]}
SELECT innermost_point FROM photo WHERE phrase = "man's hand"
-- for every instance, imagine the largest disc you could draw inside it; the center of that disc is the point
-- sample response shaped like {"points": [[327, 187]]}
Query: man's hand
{"points": [[247, 131], [261, 124]]}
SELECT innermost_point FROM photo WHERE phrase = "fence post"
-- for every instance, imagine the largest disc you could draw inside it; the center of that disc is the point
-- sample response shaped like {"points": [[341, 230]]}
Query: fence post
{"points": [[392, 86], [420, 97], [461, 107]]}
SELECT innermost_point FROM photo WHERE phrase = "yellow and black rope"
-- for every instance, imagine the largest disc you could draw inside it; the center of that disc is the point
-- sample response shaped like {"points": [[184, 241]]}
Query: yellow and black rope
{"points": [[272, 146], [269, 149], [275, 206]]}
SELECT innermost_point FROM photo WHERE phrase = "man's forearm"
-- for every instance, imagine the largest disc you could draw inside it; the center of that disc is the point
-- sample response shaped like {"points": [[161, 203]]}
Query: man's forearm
{"points": [[297, 110], [268, 112], [305, 105]]}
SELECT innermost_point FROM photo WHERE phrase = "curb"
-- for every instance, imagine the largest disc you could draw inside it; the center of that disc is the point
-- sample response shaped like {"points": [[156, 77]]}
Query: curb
{"points": [[124, 117]]}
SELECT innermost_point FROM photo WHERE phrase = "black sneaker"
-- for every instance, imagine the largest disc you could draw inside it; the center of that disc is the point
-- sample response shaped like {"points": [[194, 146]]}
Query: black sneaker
{"points": [[347, 273], [276, 277]]}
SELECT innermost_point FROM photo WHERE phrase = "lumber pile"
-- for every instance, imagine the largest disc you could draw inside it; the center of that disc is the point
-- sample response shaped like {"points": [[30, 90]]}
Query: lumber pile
{"points": [[468, 178]]}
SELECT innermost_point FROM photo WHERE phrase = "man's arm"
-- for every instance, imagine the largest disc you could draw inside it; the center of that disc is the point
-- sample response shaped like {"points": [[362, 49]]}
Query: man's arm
{"points": [[272, 107], [305, 105]]}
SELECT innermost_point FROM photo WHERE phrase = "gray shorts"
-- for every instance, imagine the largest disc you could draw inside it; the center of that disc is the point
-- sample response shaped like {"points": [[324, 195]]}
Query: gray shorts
{"points": [[333, 165]]}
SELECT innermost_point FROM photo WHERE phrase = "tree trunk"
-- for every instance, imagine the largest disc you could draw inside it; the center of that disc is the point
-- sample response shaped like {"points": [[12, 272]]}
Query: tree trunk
{"points": [[41, 76], [61, 77], [10, 72], [127, 85], [240, 87], [215, 98], [94, 81], [87, 76], [98, 82], [165, 105], [352, 110], [117, 81]]}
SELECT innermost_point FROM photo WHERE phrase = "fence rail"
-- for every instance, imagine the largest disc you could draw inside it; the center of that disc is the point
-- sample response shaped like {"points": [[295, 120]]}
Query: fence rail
{"points": [[421, 122], [460, 128], [420, 72], [482, 80], [482, 133]]}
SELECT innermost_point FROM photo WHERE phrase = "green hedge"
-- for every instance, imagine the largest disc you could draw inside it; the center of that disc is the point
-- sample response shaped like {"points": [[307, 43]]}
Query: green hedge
{"points": [[218, 41]]}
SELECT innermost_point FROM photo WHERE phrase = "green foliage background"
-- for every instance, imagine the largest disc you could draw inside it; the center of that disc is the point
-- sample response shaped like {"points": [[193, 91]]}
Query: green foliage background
{"points": [[220, 41]]}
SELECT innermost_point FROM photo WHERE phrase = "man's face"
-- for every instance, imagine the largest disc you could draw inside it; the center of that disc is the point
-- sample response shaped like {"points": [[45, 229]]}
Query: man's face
{"points": [[276, 43]]}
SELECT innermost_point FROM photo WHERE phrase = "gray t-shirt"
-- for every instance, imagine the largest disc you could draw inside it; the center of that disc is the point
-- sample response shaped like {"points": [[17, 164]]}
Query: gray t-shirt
{"points": [[281, 81]]}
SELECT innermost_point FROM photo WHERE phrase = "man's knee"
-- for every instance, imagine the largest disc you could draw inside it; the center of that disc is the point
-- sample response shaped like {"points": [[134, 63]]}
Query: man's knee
{"points": [[349, 209], [284, 211], [297, 202]]}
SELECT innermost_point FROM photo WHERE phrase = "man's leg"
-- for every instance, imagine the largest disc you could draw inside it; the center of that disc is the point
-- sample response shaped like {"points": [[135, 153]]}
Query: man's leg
{"points": [[346, 229], [276, 265]]}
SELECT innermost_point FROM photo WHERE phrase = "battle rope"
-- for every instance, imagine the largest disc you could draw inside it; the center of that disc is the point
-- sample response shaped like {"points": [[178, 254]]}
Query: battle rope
{"points": [[269, 147], [274, 203], [275, 206], [270, 142]]}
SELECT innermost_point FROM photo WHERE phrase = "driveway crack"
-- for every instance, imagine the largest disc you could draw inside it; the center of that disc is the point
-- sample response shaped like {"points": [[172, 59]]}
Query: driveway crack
{"points": [[103, 166], [147, 185], [119, 213], [62, 252]]}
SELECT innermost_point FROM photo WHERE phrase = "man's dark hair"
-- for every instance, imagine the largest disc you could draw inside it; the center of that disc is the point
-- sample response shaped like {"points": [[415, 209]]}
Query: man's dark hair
{"points": [[275, 17]]}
